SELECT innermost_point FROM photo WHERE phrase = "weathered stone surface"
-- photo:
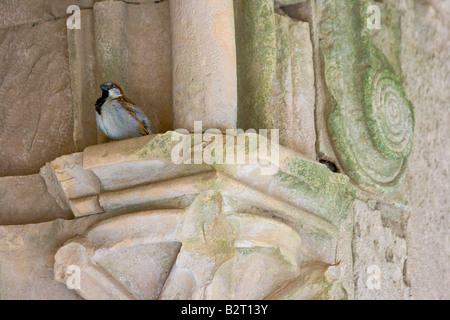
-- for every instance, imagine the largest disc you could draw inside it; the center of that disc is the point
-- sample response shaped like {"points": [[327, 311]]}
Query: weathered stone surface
{"points": [[139, 174], [123, 164], [266, 220], [256, 61], [317, 281], [379, 256], [85, 206], [24, 12], [111, 43], [36, 119], [208, 251], [208, 224], [293, 89], [83, 81], [287, 2], [370, 120], [276, 75], [204, 64], [27, 257], [296, 180], [24, 199], [425, 56], [149, 74], [75, 181], [388, 37], [73, 186], [114, 265]]}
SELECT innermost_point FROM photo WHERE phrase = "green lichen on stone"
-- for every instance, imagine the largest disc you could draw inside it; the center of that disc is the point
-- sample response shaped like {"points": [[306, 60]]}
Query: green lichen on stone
{"points": [[209, 233], [159, 148], [385, 127], [287, 2], [256, 60], [329, 290], [370, 120], [326, 193]]}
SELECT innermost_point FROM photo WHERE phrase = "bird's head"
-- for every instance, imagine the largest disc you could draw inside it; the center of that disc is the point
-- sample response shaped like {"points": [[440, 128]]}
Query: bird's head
{"points": [[111, 90]]}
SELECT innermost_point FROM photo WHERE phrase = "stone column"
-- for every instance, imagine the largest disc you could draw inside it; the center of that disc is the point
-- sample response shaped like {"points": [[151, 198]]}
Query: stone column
{"points": [[204, 63]]}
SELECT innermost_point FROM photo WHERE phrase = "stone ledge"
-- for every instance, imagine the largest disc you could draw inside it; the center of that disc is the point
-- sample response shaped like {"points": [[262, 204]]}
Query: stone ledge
{"points": [[115, 169], [202, 223]]}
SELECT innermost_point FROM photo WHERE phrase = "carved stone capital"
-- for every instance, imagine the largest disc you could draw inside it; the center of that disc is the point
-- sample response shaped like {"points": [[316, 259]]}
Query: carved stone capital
{"points": [[217, 231]]}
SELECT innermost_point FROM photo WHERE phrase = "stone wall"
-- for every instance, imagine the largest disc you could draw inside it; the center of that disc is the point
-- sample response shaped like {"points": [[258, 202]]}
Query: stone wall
{"points": [[425, 55], [357, 209]]}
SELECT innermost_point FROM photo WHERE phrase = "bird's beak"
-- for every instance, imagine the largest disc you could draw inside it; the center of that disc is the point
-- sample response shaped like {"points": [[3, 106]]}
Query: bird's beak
{"points": [[103, 87]]}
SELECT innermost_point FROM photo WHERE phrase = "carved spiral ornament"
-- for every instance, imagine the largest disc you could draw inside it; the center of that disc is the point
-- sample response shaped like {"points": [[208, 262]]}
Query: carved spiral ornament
{"points": [[373, 137], [390, 115], [371, 120]]}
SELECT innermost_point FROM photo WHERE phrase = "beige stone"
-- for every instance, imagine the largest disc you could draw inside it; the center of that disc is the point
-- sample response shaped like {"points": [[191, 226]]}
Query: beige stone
{"points": [[83, 80], [208, 251], [27, 257], [220, 231], [321, 282], [128, 163], [114, 265], [86, 206], [75, 181], [425, 54], [207, 232], [150, 61], [36, 123], [15, 13], [379, 256], [72, 186], [204, 64], [275, 74], [24, 199], [293, 91]]}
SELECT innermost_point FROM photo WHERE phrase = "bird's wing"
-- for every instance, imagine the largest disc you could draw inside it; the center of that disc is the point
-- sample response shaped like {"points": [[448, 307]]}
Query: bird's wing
{"points": [[137, 114]]}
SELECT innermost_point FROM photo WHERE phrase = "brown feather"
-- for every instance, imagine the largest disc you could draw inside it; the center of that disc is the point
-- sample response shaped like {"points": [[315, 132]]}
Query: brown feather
{"points": [[123, 102]]}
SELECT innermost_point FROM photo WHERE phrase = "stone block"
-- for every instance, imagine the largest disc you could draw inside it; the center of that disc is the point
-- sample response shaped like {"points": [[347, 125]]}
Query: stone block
{"points": [[36, 115], [275, 75], [27, 258], [73, 186], [24, 199], [128, 163], [204, 64], [83, 80], [379, 255], [15, 13]]}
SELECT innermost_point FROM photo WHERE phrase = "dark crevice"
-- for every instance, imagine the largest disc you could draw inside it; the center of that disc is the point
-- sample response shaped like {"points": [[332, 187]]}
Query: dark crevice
{"points": [[330, 165], [299, 12]]}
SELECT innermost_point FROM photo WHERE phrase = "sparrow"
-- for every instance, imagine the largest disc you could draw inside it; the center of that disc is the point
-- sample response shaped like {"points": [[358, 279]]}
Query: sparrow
{"points": [[119, 117]]}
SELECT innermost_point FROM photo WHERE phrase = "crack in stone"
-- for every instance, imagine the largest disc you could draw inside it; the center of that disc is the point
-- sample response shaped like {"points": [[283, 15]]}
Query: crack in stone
{"points": [[39, 22]]}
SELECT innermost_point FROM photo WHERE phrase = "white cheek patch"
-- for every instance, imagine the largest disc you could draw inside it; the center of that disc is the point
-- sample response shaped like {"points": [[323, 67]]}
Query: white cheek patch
{"points": [[114, 93]]}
